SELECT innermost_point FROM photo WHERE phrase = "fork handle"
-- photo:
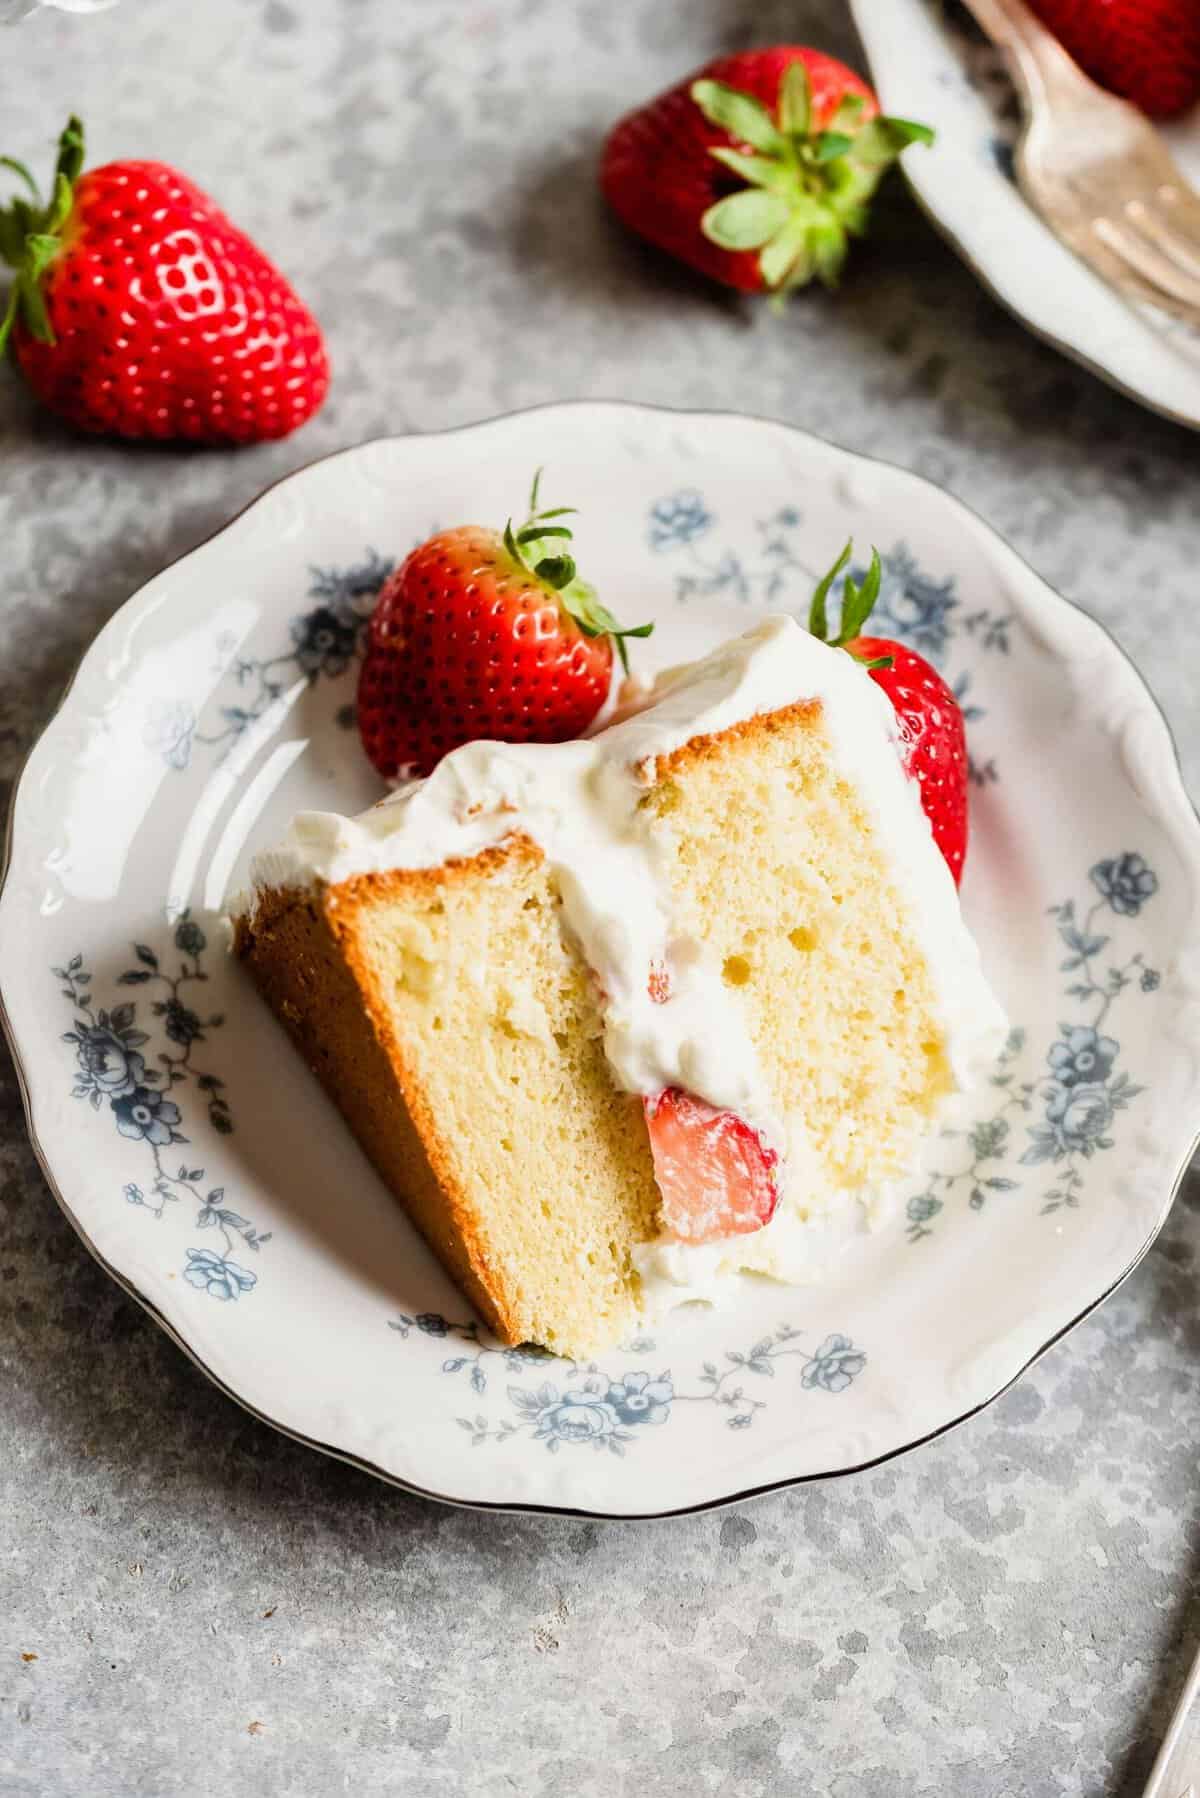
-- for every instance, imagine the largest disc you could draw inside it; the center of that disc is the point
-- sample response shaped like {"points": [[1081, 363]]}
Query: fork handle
{"points": [[1176, 1772], [1038, 60]]}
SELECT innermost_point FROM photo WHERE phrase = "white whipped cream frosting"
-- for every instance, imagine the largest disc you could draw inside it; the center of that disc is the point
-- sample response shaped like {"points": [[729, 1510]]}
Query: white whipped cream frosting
{"points": [[579, 802]]}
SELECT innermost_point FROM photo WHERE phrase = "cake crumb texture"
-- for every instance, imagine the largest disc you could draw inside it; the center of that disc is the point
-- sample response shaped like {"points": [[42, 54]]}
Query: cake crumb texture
{"points": [[776, 869], [451, 1017], [459, 1030]]}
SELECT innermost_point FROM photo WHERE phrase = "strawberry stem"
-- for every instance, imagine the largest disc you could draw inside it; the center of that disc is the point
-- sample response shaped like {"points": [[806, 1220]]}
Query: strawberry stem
{"points": [[557, 571], [30, 234], [818, 622], [858, 602]]}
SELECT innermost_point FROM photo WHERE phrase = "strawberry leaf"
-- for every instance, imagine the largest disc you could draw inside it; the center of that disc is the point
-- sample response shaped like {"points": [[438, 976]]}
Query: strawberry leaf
{"points": [[849, 112], [557, 572], [33, 309], [907, 131], [40, 251], [828, 246], [760, 171], [29, 239], [745, 221], [818, 621], [595, 620], [857, 605], [9, 318], [60, 204], [859, 602], [881, 141], [18, 168], [807, 191], [70, 151], [785, 259], [12, 238], [741, 115], [795, 101], [829, 145], [618, 637]]}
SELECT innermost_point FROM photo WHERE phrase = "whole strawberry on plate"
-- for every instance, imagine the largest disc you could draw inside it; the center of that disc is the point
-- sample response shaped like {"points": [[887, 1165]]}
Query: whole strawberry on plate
{"points": [[932, 731], [484, 633], [138, 310], [1148, 51], [758, 169]]}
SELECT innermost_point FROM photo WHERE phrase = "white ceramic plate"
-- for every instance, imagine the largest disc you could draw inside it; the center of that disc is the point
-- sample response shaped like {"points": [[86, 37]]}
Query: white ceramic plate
{"points": [[928, 61], [213, 705]]}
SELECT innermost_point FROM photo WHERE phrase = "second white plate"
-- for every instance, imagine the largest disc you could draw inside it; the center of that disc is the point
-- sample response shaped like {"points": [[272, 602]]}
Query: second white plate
{"points": [[928, 61]]}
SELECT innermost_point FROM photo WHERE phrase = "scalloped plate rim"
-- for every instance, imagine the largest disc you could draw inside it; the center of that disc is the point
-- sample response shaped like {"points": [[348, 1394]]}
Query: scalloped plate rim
{"points": [[1179, 816]]}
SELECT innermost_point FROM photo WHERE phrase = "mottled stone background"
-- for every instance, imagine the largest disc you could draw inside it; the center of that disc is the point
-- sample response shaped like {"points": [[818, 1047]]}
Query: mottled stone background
{"points": [[214, 1610]]}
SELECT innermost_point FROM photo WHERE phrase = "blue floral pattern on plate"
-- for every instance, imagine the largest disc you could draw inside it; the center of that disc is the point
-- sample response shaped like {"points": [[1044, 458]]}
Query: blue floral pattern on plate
{"points": [[1068, 1112], [914, 606], [76, 882], [585, 1404], [678, 518], [326, 641], [1074, 1105], [111, 1068], [1079, 1098]]}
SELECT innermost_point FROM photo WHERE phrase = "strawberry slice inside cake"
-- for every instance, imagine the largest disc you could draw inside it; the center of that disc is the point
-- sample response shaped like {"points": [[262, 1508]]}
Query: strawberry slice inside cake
{"points": [[716, 1176]]}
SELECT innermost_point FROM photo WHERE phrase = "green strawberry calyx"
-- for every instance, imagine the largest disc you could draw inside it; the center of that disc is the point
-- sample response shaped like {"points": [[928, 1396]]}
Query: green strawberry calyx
{"points": [[539, 547], [858, 602], [807, 191], [31, 234]]}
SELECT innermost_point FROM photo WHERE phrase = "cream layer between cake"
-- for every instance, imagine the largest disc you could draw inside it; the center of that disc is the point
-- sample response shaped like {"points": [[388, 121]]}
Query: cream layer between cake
{"points": [[579, 802]]}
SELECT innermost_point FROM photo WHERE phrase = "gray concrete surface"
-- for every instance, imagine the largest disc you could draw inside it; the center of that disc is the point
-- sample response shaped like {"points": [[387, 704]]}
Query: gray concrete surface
{"points": [[190, 1604]]}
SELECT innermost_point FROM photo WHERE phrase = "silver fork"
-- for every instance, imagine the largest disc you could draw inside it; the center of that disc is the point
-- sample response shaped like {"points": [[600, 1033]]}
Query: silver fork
{"points": [[1176, 1772], [1097, 171]]}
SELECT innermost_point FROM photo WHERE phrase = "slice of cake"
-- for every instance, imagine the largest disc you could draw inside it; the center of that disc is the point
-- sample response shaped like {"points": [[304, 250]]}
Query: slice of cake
{"points": [[615, 1018]]}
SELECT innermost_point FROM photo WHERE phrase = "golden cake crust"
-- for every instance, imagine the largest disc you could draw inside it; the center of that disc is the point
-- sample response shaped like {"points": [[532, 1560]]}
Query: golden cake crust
{"points": [[804, 715], [486, 1103], [297, 937]]}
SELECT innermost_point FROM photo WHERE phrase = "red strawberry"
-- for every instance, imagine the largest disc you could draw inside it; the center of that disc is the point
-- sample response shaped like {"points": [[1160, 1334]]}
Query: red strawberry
{"points": [[757, 169], [931, 720], [715, 1174], [483, 634], [1146, 50], [138, 310]]}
